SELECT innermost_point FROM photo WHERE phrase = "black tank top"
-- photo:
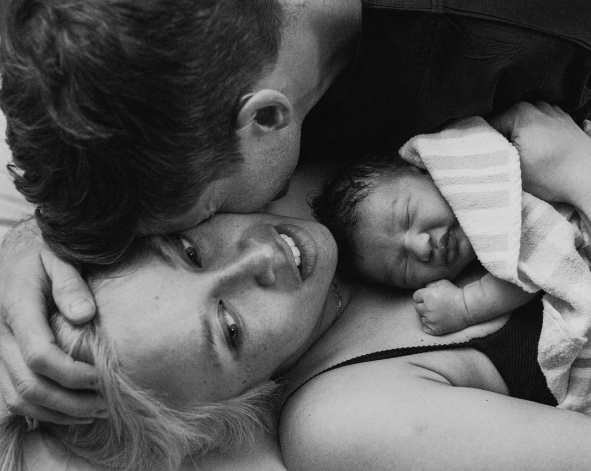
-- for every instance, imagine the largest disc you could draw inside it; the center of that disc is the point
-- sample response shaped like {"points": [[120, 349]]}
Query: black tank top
{"points": [[512, 349]]}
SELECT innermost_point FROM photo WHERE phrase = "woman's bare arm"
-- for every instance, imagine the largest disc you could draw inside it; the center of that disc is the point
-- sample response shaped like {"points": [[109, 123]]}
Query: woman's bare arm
{"points": [[405, 417]]}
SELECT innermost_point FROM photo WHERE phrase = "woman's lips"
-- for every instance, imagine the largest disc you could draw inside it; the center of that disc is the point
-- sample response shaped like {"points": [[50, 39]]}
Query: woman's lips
{"points": [[306, 246]]}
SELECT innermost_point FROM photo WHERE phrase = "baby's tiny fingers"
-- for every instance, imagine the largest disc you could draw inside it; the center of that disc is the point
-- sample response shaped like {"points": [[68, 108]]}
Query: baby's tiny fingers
{"points": [[418, 296], [429, 330]]}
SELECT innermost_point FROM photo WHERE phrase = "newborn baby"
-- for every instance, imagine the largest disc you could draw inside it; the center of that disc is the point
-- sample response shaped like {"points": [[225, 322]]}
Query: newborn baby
{"points": [[420, 227], [394, 226]]}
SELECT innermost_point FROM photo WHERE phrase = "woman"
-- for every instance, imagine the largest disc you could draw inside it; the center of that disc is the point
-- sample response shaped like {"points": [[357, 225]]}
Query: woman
{"points": [[196, 324], [245, 314], [251, 309]]}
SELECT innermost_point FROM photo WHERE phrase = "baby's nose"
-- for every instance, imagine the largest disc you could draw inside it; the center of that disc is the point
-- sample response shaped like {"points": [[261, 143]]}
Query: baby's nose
{"points": [[419, 245]]}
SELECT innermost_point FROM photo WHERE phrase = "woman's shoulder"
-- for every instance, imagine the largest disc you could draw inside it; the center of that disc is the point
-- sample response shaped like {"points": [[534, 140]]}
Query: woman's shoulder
{"points": [[411, 412], [337, 418], [43, 453]]}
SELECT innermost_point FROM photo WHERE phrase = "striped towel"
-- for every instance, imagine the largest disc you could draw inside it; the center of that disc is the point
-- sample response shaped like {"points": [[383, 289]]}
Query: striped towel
{"points": [[521, 239]]}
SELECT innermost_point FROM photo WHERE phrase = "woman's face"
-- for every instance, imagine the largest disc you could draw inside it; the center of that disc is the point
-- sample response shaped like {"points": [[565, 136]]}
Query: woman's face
{"points": [[243, 312]]}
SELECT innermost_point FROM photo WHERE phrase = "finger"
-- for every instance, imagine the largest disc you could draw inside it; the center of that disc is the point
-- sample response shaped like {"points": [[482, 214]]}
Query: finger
{"points": [[557, 109], [34, 350], [421, 309], [27, 389], [545, 107], [429, 330], [434, 330], [35, 411], [587, 127], [434, 284], [418, 296], [505, 122], [70, 292], [46, 415]]}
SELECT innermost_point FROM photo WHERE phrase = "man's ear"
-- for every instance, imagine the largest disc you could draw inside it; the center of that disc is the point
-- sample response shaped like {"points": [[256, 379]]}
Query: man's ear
{"points": [[266, 110]]}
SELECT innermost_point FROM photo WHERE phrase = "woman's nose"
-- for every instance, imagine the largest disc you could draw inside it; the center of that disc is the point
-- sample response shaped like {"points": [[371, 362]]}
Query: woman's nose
{"points": [[255, 261], [419, 245]]}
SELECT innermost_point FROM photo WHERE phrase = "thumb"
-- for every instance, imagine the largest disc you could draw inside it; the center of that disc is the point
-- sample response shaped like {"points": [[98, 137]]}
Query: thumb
{"points": [[435, 284], [418, 296], [70, 292]]}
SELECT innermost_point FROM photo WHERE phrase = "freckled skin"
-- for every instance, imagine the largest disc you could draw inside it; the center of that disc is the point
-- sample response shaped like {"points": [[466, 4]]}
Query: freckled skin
{"points": [[176, 340]]}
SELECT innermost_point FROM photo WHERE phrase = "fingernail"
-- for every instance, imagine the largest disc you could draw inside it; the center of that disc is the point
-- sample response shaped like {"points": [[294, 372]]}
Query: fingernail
{"points": [[102, 414], [81, 307], [85, 421]]}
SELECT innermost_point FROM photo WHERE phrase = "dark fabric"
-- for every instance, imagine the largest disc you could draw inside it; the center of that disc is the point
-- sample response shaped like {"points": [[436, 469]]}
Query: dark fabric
{"points": [[512, 349], [422, 63]]}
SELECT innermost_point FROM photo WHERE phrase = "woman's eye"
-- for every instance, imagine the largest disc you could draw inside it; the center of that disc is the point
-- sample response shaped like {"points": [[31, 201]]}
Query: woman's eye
{"points": [[230, 324], [192, 254]]}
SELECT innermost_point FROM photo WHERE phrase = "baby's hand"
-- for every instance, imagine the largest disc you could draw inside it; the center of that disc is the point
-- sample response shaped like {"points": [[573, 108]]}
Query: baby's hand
{"points": [[441, 307]]}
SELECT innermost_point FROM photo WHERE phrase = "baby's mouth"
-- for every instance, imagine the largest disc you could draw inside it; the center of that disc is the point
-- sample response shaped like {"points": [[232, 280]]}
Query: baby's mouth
{"points": [[452, 247], [448, 246]]}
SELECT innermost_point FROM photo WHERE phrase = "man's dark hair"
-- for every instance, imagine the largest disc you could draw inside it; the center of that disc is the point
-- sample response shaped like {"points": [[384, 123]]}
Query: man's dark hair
{"points": [[121, 112], [336, 207]]}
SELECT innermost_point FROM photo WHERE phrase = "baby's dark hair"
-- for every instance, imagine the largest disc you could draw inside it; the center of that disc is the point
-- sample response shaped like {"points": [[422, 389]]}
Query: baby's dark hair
{"points": [[336, 206]]}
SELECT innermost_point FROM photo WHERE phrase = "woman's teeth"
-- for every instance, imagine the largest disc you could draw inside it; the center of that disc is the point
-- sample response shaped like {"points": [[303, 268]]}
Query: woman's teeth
{"points": [[294, 250]]}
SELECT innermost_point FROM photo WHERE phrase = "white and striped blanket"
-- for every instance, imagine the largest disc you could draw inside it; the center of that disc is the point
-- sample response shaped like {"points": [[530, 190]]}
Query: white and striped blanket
{"points": [[519, 238]]}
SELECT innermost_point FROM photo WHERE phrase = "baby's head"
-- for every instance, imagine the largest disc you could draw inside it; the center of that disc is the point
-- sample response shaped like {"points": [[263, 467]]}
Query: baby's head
{"points": [[392, 225]]}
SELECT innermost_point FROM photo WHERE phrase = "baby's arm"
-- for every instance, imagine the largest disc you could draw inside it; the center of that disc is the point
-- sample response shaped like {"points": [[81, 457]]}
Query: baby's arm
{"points": [[443, 307]]}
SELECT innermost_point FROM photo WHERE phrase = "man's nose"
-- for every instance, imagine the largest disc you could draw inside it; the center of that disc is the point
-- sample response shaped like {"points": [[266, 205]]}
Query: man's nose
{"points": [[255, 261], [419, 245]]}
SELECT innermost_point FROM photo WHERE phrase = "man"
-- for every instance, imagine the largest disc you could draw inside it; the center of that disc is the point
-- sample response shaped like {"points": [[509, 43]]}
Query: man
{"points": [[128, 120]]}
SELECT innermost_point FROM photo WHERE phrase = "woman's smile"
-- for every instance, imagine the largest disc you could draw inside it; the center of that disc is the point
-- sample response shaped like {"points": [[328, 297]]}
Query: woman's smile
{"points": [[304, 248], [247, 285]]}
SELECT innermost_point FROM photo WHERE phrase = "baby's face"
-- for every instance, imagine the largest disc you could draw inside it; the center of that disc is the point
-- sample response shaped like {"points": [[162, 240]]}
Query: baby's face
{"points": [[407, 234]]}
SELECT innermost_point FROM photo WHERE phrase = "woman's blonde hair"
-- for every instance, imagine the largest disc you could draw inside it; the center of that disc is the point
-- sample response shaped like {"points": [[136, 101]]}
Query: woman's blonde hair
{"points": [[142, 432]]}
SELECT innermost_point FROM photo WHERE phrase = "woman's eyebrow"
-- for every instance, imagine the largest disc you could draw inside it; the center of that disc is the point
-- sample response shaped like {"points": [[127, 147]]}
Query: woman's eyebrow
{"points": [[210, 346]]}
